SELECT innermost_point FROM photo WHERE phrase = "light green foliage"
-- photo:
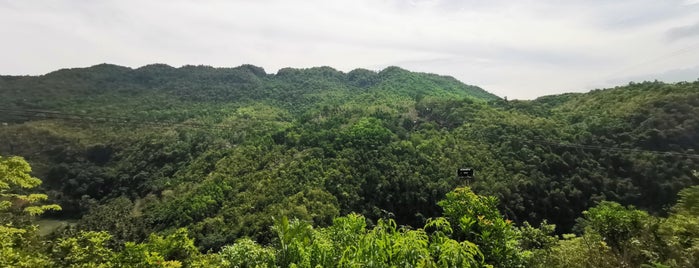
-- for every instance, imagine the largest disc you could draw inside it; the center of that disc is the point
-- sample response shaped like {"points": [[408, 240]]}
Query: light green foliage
{"points": [[366, 133], [172, 250], [688, 203], [18, 241], [324, 251], [616, 224], [247, 253], [679, 241], [298, 244], [347, 243], [90, 249], [448, 252], [624, 230], [294, 237], [539, 241], [679, 233], [8, 236], [313, 205], [617, 236], [14, 172], [577, 252], [347, 230], [385, 245], [18, 250], [176, 246], [541, 238], [86, 249], [15, 179], [480, 221]]}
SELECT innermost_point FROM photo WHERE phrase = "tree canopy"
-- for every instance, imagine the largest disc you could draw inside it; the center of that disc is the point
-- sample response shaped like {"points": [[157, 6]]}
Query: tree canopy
{"points": [[198, 165]]}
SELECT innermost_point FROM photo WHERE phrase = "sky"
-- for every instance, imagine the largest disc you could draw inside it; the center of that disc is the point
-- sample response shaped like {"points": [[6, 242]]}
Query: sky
{"points": [[519, 49]]}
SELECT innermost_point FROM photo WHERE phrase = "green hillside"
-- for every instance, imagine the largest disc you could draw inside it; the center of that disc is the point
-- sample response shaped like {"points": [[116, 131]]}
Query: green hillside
{"points": [[324, 163]]}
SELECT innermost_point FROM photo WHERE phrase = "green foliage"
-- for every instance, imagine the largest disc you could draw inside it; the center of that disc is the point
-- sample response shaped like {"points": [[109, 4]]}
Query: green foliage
{"points": [[221, 151], [293, 238], [616, 224], [15, 173], [15, 179], [448, 252], [679, 241], [87, 249], [480, 221], [688, 203], [617, 236], [18, 241], [313, 205], [173, 250], [541, 238], [18, 248], [386, 141], [366, 133], [572, 251], [247, 253], [348, 244], [119, 217], [679, 233], [91, 249], [624, 230]]}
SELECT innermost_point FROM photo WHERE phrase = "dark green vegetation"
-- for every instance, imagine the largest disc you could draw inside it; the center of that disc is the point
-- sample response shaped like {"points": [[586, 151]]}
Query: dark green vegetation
{"points": [[160, 164]]}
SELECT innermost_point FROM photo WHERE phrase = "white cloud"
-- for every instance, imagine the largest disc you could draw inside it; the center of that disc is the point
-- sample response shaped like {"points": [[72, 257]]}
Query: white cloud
{"points": [[519, 49]]}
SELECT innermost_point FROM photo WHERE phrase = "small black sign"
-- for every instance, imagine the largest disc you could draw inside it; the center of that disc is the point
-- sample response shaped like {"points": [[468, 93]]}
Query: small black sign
{"points": [[465, 173]]}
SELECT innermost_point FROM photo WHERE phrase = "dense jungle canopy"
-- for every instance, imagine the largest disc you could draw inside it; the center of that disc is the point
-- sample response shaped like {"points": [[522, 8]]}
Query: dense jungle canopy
{"points": [[207, 167]]}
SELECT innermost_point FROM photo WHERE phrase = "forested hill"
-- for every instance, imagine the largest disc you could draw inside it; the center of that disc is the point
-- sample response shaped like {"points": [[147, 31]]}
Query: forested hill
{"points": [[223, 152], [294, 89]]}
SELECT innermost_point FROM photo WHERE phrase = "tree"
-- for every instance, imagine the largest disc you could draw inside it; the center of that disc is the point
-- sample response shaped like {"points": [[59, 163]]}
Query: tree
{"points": [[86, 249], [688, 202], [679, 233], [479, 221], [18, 244], [615, 223], [174, 250], [15, 181], [247, 253]]}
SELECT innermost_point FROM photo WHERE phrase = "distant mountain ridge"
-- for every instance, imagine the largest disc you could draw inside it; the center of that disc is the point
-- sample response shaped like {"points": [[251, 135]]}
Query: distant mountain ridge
{"points": [[207, 83]]}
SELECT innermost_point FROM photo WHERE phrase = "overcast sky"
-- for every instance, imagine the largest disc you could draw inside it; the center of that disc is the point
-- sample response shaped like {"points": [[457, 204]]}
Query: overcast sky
{"points": [[519, 49]]}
